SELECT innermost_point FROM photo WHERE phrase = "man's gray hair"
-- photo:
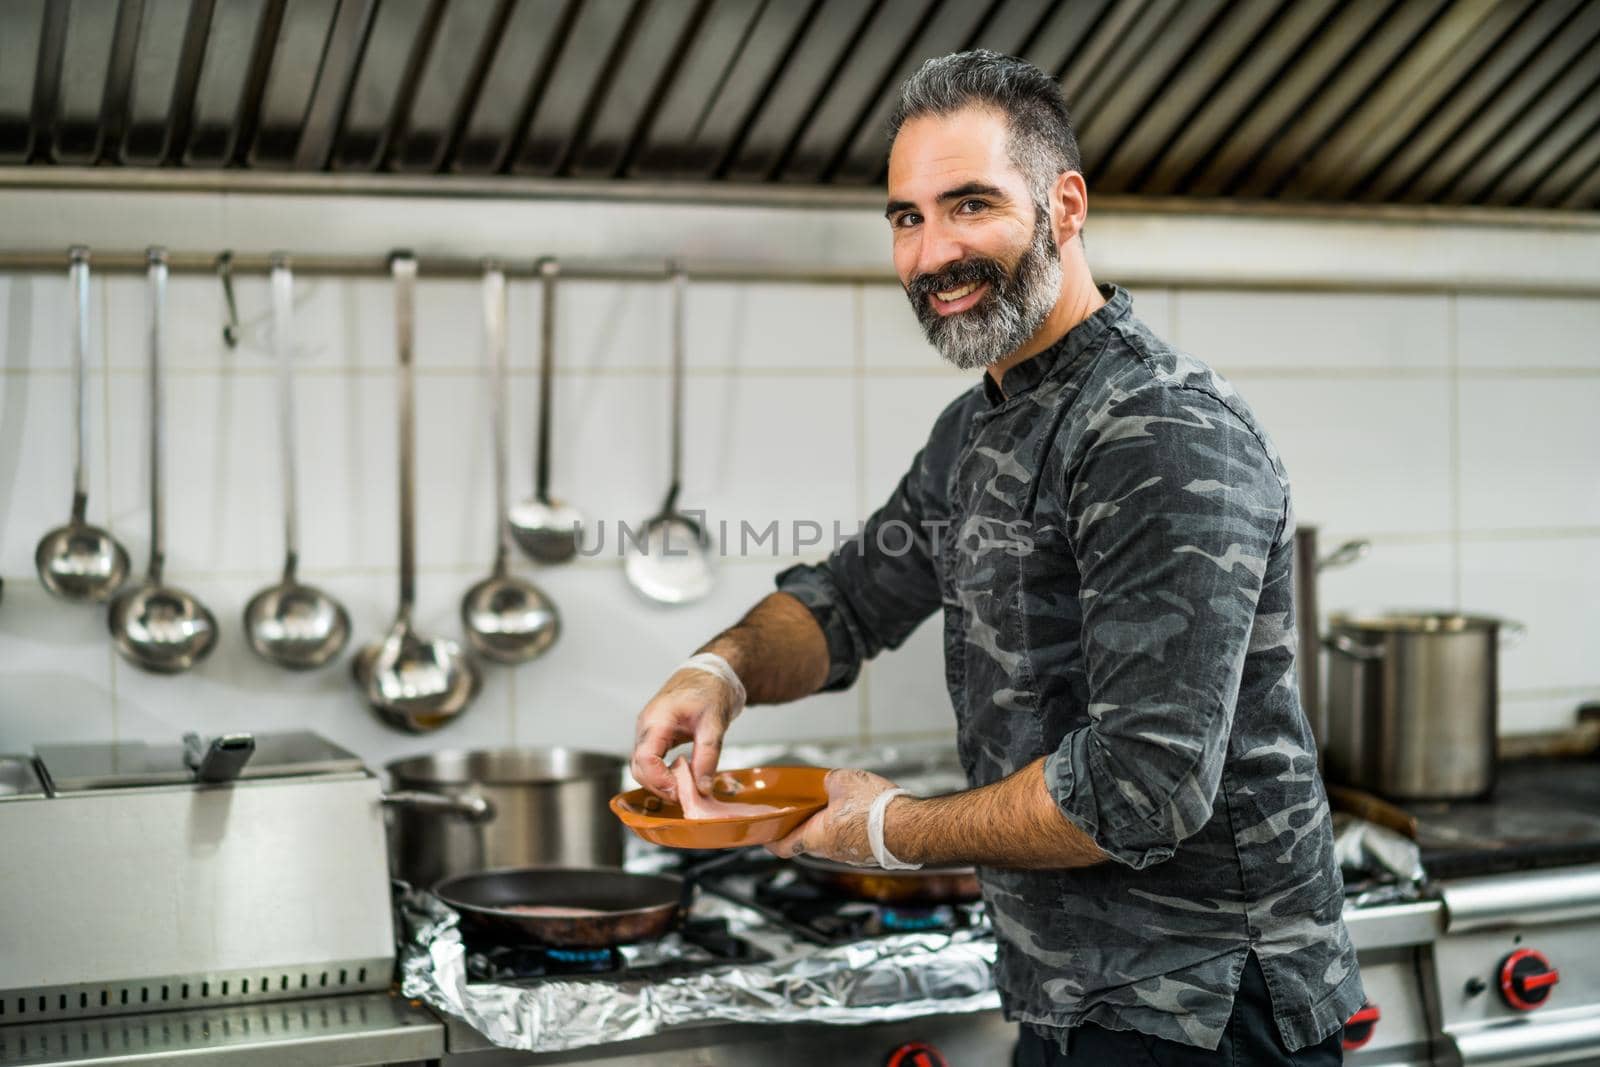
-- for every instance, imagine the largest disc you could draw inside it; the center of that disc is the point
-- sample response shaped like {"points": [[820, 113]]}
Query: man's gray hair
{"points": [[1041, 142]]}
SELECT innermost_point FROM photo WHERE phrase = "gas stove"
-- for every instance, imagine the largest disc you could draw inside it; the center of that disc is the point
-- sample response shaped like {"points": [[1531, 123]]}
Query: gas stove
{"points": [[1499, 961], [698, 944], [1544, 813], [777, 891]]}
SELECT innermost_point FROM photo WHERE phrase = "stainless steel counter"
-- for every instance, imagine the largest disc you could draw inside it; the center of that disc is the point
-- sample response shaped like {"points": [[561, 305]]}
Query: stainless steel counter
{"points": [[345, 1031], [372, 1029], [975, 1038]]}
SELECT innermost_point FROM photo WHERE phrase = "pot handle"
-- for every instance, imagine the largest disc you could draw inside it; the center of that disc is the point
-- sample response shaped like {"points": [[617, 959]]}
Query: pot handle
{"points": [[1345, 645], [1512, 633], [469, 806], [692, 874]]}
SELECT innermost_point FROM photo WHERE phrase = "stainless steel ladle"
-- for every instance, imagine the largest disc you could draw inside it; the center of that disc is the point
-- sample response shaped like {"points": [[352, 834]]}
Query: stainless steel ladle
{"points": [[673, 564], [547, 530], [413, 683], [508, 619], [79, 561], [292, 624], [158, 627]]}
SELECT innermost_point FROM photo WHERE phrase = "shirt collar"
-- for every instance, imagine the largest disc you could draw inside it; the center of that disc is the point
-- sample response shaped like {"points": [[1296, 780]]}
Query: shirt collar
{"points": [[1064, 353]]}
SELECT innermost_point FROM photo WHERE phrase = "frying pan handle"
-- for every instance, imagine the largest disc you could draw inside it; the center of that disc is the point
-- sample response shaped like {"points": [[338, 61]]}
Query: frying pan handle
{"points": [[467, 806], [695, 872]]}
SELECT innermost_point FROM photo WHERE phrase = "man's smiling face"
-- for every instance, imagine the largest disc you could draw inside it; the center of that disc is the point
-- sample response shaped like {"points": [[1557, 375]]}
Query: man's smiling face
{"points": [[978, 259]]}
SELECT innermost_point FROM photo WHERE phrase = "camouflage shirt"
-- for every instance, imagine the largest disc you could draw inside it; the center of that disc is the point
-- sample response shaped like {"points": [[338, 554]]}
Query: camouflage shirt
{"points": [[1110, 538]]}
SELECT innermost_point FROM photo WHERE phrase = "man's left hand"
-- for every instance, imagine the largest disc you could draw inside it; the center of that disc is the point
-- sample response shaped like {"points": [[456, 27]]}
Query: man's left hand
{"points": [[838, 831]]}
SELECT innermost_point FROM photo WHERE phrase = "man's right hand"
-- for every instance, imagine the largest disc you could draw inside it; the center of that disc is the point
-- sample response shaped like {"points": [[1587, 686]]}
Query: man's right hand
{"points": [[692, 706]]}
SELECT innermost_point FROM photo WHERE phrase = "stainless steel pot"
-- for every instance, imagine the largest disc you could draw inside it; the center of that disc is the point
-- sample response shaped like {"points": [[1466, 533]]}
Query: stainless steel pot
{"points": [[1413, 703], [456, 812]]}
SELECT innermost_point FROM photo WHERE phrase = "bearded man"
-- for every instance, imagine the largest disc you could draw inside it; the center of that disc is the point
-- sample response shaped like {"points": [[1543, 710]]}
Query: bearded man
{"points": [[1108, 533]]}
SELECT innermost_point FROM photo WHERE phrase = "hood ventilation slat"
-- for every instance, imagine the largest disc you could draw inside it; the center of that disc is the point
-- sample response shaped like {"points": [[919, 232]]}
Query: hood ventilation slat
{"points": [[1423, 102]]}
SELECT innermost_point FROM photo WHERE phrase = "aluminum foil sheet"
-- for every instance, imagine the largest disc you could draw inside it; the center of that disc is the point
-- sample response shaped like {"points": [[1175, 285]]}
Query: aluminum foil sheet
{"points": [[1387, 865], [879, 980]]}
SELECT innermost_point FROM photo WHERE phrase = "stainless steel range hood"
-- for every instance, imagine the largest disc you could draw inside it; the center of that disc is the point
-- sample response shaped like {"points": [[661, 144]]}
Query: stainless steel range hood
{"points": [[1440, 102]]}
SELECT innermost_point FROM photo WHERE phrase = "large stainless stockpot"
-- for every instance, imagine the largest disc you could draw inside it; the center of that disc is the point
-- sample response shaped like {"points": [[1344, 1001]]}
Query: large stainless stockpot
{"points": [[1413, 703], [456, 812]]}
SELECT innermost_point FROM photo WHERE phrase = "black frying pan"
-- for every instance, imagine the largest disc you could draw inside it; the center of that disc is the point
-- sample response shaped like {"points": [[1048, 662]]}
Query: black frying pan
{"points": [[627, 907], [616, 907]]}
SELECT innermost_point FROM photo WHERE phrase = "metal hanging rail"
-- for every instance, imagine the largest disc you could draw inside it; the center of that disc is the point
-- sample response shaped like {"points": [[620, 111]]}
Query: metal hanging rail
{"points": [[647, 270], [658, 270]]}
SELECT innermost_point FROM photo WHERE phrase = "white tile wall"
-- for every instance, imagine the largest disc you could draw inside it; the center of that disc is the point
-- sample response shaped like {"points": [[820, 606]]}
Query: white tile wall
{"points": [[36, 460], [739, 326], [56, 666], [1363, 453], [1393, 574], [1315, 330], [1550, 585], [1475, 480], [1530, 452], [906, 690], [37, 319], [1155, 307], [1525, 713], [899, 413], [1529, 332]]}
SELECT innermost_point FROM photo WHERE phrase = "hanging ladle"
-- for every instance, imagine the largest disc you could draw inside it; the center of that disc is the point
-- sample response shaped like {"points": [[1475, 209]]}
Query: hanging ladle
{"points": [[508, 619], [79, 561], [154, 626], [291, 624], [547, 530], [672, 565], [413, 683]]}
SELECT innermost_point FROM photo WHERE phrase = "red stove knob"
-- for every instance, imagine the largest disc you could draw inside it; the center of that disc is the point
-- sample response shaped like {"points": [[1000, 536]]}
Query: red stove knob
{"points": [[916, 1054], [1359, 1028], [1526, 979]]}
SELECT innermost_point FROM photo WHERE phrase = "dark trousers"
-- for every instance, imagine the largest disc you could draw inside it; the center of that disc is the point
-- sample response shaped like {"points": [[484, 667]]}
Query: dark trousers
{"points": [[1250, 1040]]}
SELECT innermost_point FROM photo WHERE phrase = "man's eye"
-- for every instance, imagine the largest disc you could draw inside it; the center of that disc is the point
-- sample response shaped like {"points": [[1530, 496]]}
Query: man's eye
{"points": [[970, 206], [908, 219]]}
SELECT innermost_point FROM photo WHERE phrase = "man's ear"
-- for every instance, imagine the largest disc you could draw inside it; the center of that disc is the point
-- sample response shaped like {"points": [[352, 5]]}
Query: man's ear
{"points": [[1069, 204]]}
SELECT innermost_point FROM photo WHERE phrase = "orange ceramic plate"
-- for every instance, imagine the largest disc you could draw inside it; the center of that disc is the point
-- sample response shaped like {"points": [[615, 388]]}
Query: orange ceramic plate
{"points": [[797, 793]]}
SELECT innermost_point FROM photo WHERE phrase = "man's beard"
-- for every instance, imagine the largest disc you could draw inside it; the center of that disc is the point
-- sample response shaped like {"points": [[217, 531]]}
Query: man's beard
{"points": [[1009, 313]]}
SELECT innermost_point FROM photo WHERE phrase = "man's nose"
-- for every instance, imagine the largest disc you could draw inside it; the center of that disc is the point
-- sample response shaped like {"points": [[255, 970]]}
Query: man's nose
{"points": [[939, 248]]}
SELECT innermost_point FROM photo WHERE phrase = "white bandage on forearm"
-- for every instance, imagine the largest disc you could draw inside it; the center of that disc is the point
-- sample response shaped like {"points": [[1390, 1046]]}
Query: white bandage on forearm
{"points": [[875, 816], [714, 664]]}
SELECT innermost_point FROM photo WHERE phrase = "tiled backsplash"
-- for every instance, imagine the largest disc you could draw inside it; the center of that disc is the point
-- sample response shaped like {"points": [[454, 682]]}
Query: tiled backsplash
{"points": [[1457, 432]]}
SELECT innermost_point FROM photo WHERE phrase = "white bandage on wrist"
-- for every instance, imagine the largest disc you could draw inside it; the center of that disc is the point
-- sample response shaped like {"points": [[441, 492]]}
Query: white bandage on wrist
{"points": [[880, 852], [714, 664]]}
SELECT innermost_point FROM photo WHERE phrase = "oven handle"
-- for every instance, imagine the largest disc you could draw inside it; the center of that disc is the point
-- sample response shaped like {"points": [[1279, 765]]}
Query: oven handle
{"points": [[1532, 898], [1549, 1038]]}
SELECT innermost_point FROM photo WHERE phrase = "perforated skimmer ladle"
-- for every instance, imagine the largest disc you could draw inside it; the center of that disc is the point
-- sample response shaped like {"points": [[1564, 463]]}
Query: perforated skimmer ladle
{"points": [[158, 627], [79, 561], [413, 683], [508, 619], [291, 624], [673, 564], [547, 530]]}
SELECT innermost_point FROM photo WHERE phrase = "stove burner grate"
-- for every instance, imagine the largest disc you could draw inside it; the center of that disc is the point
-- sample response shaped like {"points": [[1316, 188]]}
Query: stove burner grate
{"points": [[697, 945], [776, 891]]}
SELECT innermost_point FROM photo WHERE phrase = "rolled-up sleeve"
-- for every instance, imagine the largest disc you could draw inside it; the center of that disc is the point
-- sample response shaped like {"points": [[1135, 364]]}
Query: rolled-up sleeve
{"points": [[1173, 509], [874, 589]]}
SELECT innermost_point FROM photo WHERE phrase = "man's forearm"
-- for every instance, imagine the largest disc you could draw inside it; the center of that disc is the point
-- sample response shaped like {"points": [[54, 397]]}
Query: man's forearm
{"points": [[777, 649], [1012, 823]]}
